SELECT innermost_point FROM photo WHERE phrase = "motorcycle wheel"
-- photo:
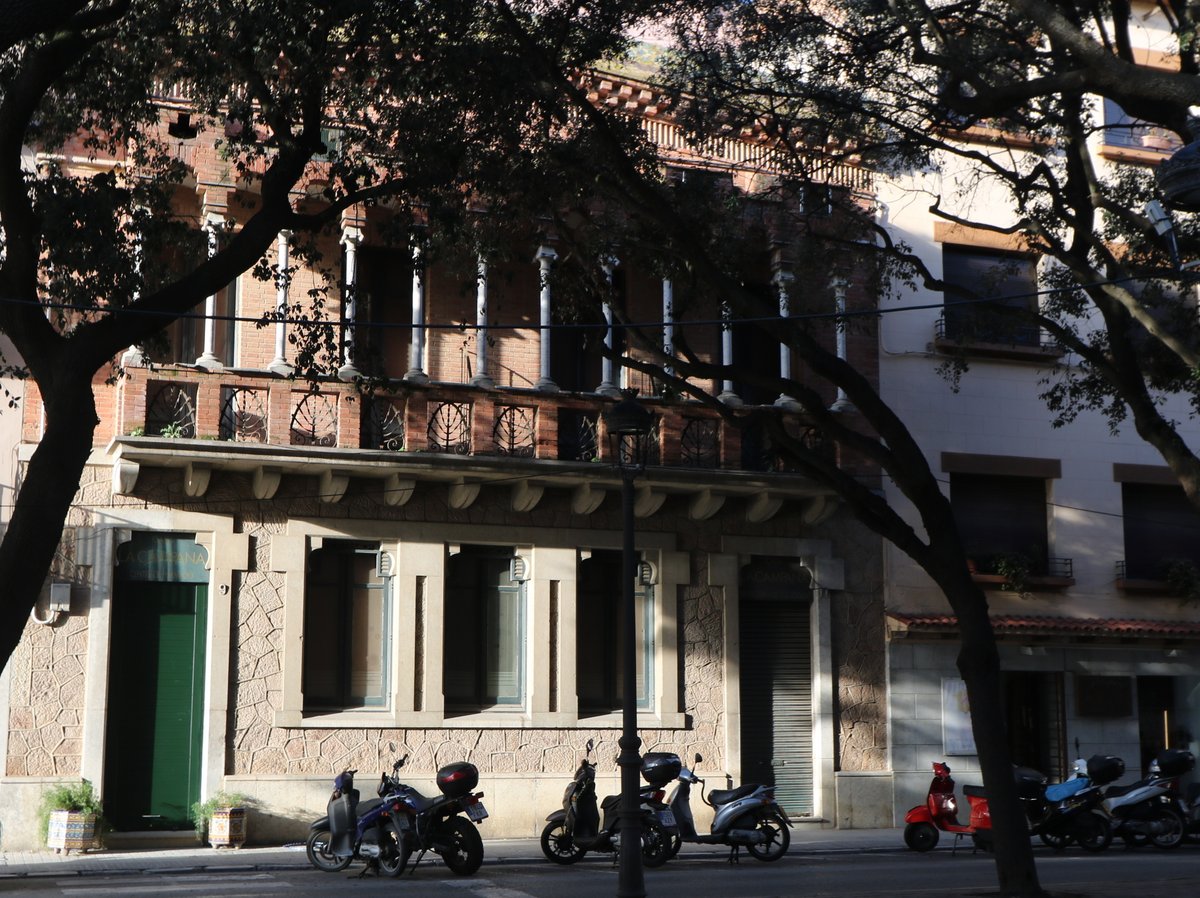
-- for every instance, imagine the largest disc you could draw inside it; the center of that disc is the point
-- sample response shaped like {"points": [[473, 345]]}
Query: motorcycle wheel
{"points": [[317, 849], [1092, 831], [394, 849], [1055, 838], [656, 844], [920, 836], [676, 843], [558, 845], [465, 855], [1173, 827], [778, 839]]}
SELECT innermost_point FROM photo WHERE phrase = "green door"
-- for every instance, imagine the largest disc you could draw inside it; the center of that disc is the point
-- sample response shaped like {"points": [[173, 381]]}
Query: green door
{"points": [[155, 704]]}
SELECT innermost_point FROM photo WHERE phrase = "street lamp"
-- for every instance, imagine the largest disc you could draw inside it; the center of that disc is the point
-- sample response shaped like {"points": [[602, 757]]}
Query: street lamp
{"points": [[628, 425]]}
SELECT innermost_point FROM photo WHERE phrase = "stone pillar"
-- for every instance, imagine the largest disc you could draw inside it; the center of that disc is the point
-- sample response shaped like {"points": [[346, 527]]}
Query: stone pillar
{"points": [[727, 395], [481, 378], [545, 258], [416, 371], [208, 358], [783, 281], [841, 404], [608, 386], [133, 356], [668, 313], [279, 365], [351, 238]]}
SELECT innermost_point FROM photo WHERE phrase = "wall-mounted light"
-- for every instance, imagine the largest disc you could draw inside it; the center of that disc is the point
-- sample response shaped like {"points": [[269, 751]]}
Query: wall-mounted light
{"points": [[59, 604]]}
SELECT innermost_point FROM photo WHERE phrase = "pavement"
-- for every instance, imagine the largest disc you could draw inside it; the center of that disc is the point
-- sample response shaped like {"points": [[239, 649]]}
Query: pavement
{"points": [[202, 859]]}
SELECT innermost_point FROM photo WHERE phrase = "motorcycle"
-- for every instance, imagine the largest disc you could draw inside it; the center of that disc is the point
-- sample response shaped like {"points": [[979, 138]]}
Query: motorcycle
{"points": [[1148, 811], [748, 816], [385, 831], [577, 828], [434, 823], [351, 829]]}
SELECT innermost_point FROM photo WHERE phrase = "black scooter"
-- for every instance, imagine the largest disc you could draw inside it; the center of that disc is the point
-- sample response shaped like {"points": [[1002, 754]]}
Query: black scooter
{"points": [[577, 828]]}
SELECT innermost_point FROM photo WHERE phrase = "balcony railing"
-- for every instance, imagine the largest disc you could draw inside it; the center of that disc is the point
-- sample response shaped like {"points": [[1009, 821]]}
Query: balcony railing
{"points": [[457, 419]]}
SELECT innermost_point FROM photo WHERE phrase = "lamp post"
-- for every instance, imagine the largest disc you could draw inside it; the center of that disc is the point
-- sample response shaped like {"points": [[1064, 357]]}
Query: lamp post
{"points": [[628, 425]]}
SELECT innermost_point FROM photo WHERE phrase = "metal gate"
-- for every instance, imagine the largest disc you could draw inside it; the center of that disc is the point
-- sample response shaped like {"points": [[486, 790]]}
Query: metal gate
{"points": [[775, 665]]}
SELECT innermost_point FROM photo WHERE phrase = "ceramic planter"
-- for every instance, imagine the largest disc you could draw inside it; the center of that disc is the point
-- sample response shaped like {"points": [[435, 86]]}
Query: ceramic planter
{"points": [[72, 830], [227, 828]]}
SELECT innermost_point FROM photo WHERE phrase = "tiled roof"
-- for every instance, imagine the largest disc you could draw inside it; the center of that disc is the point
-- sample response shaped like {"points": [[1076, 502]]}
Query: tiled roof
{"points": [[1035, 624]]}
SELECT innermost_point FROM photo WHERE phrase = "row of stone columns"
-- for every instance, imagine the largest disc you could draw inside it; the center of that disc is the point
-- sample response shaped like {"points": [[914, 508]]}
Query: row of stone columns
{"points": [[545, 258]]}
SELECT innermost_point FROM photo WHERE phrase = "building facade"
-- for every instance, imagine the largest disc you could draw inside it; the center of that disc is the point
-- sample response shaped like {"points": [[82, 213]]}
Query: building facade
{"points": [[271, 580]]}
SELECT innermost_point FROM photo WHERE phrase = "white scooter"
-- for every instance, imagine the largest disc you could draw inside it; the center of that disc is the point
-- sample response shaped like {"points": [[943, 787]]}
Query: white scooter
{"points": [[1148, 811], [747, 816]]}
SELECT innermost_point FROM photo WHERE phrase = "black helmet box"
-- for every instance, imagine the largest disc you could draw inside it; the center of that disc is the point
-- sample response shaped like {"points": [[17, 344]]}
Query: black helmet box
{"points": [[456, 780], [660, 767]]}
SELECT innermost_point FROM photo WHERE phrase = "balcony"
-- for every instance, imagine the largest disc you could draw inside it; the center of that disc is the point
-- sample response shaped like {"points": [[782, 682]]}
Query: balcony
{"points": [[979, 334], [1023, 574], [255, 423]]}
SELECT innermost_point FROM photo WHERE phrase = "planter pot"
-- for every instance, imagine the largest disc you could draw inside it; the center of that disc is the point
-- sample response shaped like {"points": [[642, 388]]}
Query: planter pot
{"points": [[72, 830], [227, 828]]}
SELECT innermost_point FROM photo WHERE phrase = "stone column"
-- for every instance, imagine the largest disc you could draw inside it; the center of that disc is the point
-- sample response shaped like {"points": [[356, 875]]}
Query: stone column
{"points": [[481, 378], [727, 395], [416, 360], [841, 404], [668, 313], [351, 238], [608, 386], [208, 358], [545, 258], [783, 281], [279, 365], [133, 356]]}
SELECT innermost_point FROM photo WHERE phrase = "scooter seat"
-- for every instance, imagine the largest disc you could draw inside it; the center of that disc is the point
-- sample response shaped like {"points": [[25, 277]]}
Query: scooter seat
{"points": [[975, 791], [724, 796], [1118, 791]]}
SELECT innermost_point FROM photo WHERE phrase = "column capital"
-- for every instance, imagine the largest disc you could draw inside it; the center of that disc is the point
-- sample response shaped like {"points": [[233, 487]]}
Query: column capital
{"points": [[352, 235], [545, 254]]}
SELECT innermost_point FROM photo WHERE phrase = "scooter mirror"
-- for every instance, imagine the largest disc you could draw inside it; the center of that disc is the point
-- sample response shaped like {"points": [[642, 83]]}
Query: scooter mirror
{"points": [[698, 758], [590, 745]]}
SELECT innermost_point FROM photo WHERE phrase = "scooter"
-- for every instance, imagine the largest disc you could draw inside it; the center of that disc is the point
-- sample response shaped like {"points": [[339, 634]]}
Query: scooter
{"points": [[924, 823], [1148, 811], [748, 816], [370, 830], [577, 828], [434, 823]]}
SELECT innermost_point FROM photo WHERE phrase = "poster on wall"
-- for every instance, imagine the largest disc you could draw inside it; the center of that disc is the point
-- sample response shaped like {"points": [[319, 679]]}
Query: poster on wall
{"points": [[957, 738]]}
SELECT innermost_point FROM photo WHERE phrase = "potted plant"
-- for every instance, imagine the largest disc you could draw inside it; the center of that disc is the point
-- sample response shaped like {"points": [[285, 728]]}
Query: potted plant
{"points": [[221, 819], [71, 817]]}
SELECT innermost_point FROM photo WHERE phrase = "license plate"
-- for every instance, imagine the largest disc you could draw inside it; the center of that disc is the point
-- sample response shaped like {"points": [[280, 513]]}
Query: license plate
{"points": [[476, 811], [666, 818]]}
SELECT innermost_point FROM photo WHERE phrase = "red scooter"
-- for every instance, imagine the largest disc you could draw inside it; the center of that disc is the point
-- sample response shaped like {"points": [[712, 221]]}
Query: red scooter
{"points": [[939, 814]]}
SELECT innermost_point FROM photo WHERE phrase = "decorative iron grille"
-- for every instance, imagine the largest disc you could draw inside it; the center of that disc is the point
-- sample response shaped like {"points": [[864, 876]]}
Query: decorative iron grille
{"points": [[384, 427], [577, 440], [243, 414], [514, 432], [699, 444], [171, 409], [449, 428], [314, 420]]}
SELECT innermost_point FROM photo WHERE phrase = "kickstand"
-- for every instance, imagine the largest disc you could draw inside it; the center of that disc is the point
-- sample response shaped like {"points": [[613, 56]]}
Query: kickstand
{"points": [[372, 866], [417, 861], [735, 854]]}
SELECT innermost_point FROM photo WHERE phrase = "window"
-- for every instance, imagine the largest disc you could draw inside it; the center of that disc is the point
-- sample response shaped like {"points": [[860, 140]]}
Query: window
{"points": [[1007, 278], [598, 645], [1123, 130], [346, 612], [1161, 526], [484, 632], [1001, 519]]}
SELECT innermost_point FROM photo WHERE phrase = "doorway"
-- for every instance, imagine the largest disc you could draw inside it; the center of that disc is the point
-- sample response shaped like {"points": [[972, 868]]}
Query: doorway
{"points": [[153, 750], [775, 662]]}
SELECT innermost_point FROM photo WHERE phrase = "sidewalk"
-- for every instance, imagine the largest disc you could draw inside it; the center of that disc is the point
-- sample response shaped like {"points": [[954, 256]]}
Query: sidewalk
{"points": [[18, 864]]}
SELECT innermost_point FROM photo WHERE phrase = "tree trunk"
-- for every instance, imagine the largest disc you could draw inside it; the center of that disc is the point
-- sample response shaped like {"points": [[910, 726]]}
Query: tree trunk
{"points": [[47, 490], [979, 664]]}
